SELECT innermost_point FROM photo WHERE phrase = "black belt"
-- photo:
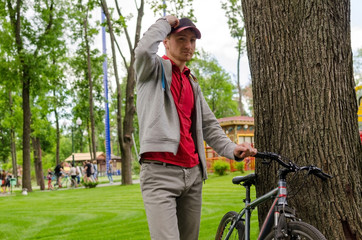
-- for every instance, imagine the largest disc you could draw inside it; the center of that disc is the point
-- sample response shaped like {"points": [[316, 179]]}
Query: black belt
{"points": [[157, 163]]}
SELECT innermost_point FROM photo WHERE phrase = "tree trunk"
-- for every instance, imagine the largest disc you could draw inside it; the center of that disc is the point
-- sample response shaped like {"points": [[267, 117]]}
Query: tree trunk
{"points": [[89, 74], [13, 145], [57, 161], [15, 17], [126, 147], [26, 131], [38, 163], [305, 106]]}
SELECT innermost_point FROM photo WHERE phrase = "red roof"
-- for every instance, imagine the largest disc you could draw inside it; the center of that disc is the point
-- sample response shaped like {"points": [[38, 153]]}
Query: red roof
{"points": [[236, 118]]}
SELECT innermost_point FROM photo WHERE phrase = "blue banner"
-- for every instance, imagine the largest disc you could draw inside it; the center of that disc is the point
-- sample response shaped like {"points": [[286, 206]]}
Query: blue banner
{"points": [[105, 80]]}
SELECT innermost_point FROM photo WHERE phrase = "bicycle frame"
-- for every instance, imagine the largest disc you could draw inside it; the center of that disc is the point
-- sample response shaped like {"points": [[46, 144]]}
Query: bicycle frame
{"points": [[279, 194]]}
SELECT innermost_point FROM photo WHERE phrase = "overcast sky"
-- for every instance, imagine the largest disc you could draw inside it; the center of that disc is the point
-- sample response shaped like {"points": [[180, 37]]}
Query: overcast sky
{"points": [[216, 38]]}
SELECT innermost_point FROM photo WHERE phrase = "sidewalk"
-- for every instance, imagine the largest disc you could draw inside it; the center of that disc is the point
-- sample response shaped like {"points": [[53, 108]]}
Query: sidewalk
{"points": [[134, 181]]}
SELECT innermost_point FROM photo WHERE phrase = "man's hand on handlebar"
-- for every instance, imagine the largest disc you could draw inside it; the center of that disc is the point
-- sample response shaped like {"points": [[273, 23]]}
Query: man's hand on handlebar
{"points": [[244, 150]]}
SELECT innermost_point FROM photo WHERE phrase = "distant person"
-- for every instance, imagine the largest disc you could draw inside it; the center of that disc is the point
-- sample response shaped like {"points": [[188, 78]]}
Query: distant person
{"points": [[95, 167], [88, 172], [110, 172], [3, 181], [79, 174], [92, 171], [7, 181], [58, 172], [49, 178], [73, 175]]}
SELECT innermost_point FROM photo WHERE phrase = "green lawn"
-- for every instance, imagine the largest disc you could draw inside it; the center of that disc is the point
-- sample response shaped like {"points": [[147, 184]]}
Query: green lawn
{"points": [[114, 212]]}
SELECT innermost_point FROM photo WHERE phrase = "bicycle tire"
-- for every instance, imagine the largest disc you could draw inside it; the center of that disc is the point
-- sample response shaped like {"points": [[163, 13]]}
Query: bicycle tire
{"points": [[300, 230], [225, 224]]}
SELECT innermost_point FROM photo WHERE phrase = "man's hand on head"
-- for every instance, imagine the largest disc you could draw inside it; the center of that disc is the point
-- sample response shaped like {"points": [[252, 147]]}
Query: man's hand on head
{"points": [[244, 150], [172, 20]]}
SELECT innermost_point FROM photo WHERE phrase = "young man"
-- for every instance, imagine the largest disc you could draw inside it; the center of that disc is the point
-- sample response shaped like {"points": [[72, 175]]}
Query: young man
{"points": [[174, 120]]}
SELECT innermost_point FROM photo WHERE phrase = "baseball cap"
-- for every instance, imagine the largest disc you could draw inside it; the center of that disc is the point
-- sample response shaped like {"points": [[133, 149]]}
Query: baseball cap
{"points": [[185, 23]]}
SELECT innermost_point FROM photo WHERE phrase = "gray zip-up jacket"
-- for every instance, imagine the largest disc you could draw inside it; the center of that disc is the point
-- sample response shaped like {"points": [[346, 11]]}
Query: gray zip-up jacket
{"points": [[159, 127]]}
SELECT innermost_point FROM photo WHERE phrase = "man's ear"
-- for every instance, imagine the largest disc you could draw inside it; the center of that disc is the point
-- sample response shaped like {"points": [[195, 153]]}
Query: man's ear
{"points": [[165, 43]]}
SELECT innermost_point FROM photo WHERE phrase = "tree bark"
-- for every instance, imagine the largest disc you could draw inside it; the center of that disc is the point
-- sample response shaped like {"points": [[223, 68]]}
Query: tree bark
{"points": [[305, 106], [38, 163]]}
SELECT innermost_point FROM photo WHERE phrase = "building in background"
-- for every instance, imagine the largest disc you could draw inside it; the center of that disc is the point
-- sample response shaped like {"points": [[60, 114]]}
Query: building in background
{"points": [[79, 158], [239, 129]]}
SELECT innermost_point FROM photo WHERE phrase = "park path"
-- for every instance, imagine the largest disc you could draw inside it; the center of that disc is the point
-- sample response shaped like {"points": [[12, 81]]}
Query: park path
{"points": [[135, 181]]}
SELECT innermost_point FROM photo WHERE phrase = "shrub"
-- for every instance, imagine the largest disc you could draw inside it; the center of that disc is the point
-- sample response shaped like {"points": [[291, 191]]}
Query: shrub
{"points": [[89, 184], [136, 167], [240, 166], [220, 167]]}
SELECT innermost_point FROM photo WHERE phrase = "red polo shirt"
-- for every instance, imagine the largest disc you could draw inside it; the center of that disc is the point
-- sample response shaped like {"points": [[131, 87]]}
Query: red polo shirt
{"points": [[183, 96]]}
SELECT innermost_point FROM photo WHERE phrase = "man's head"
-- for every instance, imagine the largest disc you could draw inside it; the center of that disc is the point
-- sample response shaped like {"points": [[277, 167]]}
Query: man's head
{"points": [[181, 42]]}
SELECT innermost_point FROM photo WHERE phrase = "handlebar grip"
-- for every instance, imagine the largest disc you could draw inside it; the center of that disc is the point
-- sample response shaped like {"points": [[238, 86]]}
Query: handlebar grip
{"points": [[268, 155], [319, 173], [322, 175]]}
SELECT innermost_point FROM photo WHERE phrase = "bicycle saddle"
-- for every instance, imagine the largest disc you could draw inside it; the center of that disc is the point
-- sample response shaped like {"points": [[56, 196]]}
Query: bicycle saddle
{"points": [[248, 179]]}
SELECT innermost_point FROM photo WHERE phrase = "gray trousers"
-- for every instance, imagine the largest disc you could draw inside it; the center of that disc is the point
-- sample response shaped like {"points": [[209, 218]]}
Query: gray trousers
{"points": [[172, 197]]}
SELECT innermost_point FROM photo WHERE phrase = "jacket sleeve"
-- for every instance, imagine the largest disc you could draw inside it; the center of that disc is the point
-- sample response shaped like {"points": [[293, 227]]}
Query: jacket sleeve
{"points": [[146, 51]]}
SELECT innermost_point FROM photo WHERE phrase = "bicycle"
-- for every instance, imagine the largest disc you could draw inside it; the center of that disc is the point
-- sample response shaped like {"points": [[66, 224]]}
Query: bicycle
{"points": [[281, 222], [66, 181]]}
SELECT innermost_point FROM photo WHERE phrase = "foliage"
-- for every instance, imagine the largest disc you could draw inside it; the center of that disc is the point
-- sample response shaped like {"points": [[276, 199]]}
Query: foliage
{"points": [[89, 184], [240, 166], [357, 67], [136, 167], [233, 12], [215, 84], [178, 8], [221, 167]]}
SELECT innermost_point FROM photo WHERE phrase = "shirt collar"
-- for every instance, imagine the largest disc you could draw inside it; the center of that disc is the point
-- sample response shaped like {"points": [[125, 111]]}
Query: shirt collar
{"points": [[186, 70]]}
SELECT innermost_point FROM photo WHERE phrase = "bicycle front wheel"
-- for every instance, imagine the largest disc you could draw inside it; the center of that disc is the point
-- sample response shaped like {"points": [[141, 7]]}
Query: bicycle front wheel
{"points": [[225, 226], [300, 230]]}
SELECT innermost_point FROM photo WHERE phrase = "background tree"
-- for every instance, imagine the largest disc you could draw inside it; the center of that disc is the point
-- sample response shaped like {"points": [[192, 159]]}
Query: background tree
{"points": [[357, 67], [125, 127], [215, 84], [305, 106], [86, 71], [235, 18], [179, 8], [32, 37]]}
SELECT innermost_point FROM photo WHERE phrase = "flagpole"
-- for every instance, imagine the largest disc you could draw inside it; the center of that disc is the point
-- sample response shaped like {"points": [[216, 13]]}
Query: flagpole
{"points": [[105, 81]]}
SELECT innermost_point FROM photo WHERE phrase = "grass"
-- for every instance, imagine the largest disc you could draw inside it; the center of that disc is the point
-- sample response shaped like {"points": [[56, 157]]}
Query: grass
{"points": [[114, 212]]}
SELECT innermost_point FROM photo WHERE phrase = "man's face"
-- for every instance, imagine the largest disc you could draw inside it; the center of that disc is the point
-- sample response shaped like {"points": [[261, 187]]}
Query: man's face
{"points": [[180, 46]]}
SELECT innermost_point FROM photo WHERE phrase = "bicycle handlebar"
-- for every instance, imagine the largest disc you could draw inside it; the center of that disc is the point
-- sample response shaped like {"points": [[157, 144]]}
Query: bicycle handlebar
{"points": [[292, 167]]}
